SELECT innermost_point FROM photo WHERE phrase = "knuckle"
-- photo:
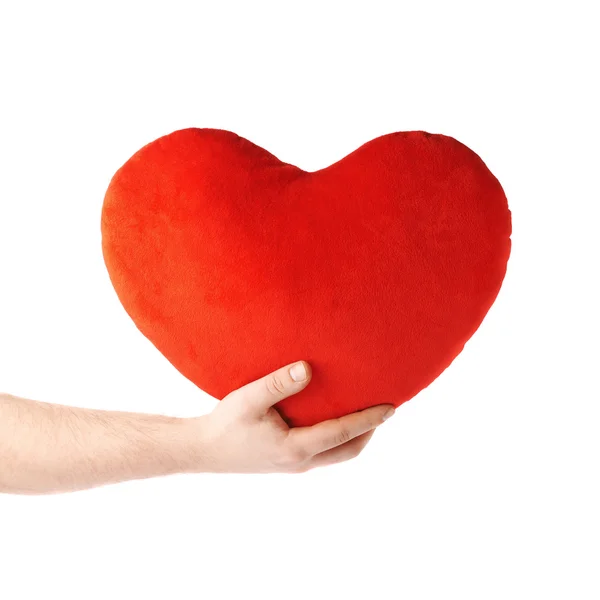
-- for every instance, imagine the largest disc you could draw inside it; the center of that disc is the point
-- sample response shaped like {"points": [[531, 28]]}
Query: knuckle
{"points": [[275, 385], [291, 458], [297, 456], [300, 455], [355, 451], [342, 436], [348, 455]]}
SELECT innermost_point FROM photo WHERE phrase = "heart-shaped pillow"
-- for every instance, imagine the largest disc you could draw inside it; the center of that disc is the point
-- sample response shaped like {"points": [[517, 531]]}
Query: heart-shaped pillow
{"points": [[376, 270]]}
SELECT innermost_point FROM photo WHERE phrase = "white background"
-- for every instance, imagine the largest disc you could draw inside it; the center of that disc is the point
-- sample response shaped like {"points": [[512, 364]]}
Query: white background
{"points": [[484, 486]]}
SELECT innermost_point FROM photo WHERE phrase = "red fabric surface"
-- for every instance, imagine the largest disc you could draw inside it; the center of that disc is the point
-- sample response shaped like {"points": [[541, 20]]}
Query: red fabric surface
{"points": [[376, 270]]}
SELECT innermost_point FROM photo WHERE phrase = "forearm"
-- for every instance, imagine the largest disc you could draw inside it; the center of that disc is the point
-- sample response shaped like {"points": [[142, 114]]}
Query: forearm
{"points": [[51, 448]]}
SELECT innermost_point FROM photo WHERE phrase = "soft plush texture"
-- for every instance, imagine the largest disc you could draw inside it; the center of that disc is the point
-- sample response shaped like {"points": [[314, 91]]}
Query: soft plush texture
{"points": [[376, 269]]}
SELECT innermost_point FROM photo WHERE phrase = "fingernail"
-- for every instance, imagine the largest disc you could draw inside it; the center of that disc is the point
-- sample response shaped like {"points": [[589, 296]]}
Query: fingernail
{"points": [[388, 414], [298, 372]]}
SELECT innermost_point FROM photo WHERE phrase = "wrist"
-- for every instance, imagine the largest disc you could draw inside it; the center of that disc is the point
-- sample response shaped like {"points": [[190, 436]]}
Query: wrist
{"points": [[189, 444]]}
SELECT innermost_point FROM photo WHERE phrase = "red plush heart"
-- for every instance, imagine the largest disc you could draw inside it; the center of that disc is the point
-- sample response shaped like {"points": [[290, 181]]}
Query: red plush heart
{"points": [[376, 270]]}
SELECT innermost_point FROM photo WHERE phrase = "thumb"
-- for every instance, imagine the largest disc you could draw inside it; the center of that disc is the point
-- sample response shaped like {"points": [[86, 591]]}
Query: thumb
{"points": [[260, 395]]}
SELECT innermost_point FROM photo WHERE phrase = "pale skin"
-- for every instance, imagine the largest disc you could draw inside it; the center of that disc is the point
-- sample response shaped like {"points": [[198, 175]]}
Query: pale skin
{"points": [[52, 448]]}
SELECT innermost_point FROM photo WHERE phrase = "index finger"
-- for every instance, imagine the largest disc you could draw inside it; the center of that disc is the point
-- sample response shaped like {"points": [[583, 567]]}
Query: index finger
{"points": [[334, 432]]}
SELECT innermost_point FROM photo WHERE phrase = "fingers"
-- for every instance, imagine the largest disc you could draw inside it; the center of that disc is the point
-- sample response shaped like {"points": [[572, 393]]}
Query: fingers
{"points": [[260, 395], [341, 453], [321, 437]]}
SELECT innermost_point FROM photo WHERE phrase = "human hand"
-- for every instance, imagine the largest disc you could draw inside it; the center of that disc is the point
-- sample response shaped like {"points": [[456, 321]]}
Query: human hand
{"points": [[246, 434]]}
